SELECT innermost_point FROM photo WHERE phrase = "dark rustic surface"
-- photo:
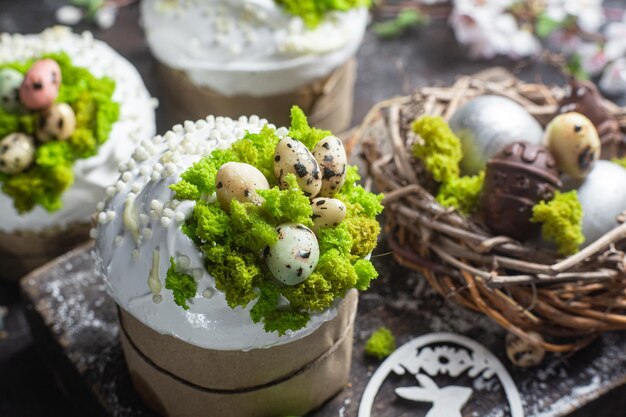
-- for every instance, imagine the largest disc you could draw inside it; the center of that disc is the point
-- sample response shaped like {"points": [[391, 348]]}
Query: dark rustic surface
{"points": [[387, 68], [76, 325]]}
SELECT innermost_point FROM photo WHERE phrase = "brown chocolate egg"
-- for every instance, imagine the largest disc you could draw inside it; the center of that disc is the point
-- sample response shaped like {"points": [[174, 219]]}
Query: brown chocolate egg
{"points": [[583, 97], [516, 179]]}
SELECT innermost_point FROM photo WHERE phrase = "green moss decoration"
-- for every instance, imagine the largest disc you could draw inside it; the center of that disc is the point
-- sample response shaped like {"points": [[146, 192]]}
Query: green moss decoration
{"points": [[381, 343], [621, 162], [462, 193], [43, 184], [182, 285], [441, 152], [233, 243], [562, 219], [313, 11], [440, 149]]}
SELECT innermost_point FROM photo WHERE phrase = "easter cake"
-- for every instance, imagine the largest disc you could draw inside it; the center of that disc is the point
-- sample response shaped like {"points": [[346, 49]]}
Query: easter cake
{"points": [[234, 250], [71, 109], [258, 56]]}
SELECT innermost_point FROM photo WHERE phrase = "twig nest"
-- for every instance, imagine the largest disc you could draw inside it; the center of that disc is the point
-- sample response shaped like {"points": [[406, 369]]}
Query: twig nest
{"points": [[487, 124], [17, 153], [239, 181], [516, 179], [41, 84], [327, 212], [525, 353], [292, 156], [57, 122], [602, 196], [331, 157], [295, 255], [10, 82], [574, 142], [583, 97]]}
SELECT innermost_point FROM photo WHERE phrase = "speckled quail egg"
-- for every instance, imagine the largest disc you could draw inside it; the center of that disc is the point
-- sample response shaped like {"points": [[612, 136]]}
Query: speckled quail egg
{"points": [[239, 181], [17, 153], [523, 352], [327, 212], [56, 122], [41, 84], [331, 156], [10, 82], [292, 156], [487, 124], [574, 142], [295, 255], [602, 195]]}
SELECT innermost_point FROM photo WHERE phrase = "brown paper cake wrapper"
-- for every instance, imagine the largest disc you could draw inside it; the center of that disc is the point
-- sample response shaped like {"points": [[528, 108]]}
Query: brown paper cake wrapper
{"points": [[23, 251], [181, 380], [327, 102]]}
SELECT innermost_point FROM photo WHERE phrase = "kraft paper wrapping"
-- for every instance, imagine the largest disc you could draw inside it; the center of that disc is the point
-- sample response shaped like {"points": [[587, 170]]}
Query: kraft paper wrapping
{"points": [[22, 252], [327, 103], [181, 380]]}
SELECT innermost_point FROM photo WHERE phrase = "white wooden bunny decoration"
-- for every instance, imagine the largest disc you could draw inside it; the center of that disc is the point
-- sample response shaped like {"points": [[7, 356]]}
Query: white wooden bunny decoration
{"points": [[447, 401]]}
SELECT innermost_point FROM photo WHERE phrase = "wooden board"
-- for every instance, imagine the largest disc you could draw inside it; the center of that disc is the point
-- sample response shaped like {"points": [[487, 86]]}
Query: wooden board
{"points": [[74, 323]]}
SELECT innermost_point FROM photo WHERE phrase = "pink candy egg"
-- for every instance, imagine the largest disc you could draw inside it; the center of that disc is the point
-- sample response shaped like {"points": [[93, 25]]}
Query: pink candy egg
{"points": [[41, 85]]}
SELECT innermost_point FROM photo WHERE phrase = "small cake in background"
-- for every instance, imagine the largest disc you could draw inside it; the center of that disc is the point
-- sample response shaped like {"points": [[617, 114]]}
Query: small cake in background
{"points": [[71, 110], [233, 249], [257, 57]]}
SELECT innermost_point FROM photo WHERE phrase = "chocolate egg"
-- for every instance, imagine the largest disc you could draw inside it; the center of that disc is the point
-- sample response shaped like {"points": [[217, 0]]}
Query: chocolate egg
{"points": [[602, 196], [10, 82], [327, 212], [525, 353], [292, 156], [295, 255], [17, 153], [239, 181], [515, 180], [56, 122], [486, 125], [583, 97], [330, 155], [573, 141], [41, 84]]}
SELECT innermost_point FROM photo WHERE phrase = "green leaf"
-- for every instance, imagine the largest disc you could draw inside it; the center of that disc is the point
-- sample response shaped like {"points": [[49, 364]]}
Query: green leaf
{"points": [[575, 67], [546, 25], [406, 19]]}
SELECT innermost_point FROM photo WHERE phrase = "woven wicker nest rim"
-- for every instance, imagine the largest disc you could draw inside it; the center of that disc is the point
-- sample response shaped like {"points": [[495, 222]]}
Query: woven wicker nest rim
{"points": [[523, 288]]}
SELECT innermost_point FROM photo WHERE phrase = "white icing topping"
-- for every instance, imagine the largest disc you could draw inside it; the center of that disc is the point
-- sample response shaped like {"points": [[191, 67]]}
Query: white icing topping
{"points": [[129, 267], [249, 47], [92, 175]]}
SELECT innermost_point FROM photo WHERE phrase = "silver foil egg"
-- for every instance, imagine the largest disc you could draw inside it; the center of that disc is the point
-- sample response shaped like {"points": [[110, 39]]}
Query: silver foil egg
{"points": [[487, 124], [602, 196]]}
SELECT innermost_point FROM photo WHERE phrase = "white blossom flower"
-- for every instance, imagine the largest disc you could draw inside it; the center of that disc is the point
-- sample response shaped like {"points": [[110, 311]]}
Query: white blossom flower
{"points": [[615, 46], [488, 30], [613, 81], [589, 14]]}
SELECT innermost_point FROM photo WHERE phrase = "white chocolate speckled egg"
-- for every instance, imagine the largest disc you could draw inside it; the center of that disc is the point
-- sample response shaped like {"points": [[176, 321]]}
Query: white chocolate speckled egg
{"points": [[239, 181], [17, 153], [295, 255], [327, 212], [574, 143], [602, 195], [524, 353], [331, 156], [487, 124], [10, 82], [292, 156], [56, 122]]}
